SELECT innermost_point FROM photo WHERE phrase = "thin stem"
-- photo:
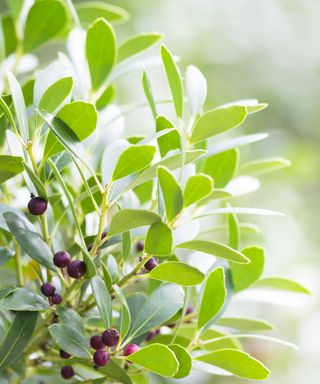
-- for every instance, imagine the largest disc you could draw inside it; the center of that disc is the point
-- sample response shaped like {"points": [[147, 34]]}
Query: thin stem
{"points": [[18, 262], [125, 280]]}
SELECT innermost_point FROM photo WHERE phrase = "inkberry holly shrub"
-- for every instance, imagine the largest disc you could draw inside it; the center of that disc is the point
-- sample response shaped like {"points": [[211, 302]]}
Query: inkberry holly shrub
{"points": [[128, 254]]}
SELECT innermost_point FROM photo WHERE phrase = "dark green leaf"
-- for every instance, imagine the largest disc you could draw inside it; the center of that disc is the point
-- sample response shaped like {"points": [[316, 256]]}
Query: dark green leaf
{"points": [[10, 166], [71, 317], [115, 372], [24, 300], [159, 239], [106, 276], [103, 300]]}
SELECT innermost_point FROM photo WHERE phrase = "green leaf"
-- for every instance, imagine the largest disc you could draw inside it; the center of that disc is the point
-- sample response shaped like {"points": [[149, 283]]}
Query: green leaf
{"points": [[196, 87], [89, 11], [30, 241], [171, 140], [243, 276], [245, 324], [9, 34], [282, 284], [126, 245], [7, 208], [174, 80], [10, 166], [56, 94], [103, 300], [172, 193], [237, 362], [125, 317], [23, 300], [197, 187], [234, 231], [70, 340], [101, 51], [215, 340], [159, 239], [115, 372], [184, 359], [156, 358], [127, 219], [148, 92], [133, 159], [240, 211], [106, 276], [176, 272], [36, 182], [71, 317], [216, 249], [213, 297], [107, 97], [262, 166], [45, 20], [137, 44], [222, 167], [17, 338], [251, 105], [217, 121], [163, 303], [5, 255]]}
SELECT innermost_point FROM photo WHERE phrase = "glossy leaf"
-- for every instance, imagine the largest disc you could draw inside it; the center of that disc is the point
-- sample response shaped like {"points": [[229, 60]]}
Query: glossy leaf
{"points": [[10, 166], [100, 51], [213, 297], [282, 284], [260, 167], [184, 359], [176, 272], [159, 239], [197, 187], [23, 300], [56, 94], [103, 300], [89, 11], [217, 121], [244, 324], [137, 44], [171, 140], [196, 87]]}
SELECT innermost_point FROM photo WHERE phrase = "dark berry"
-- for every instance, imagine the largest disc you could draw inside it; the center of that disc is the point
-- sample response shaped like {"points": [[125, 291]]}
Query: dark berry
{"points": [[189, 310], [64, 354], [56, 299], [37, 205], [152, 334], [111, 337], [47, 289], [151, 264], [101, 358], [96, 342], [140, 246], [76, 269], [67, 372], [130, 349], [61, 259], [89, 247], [103, 235]]}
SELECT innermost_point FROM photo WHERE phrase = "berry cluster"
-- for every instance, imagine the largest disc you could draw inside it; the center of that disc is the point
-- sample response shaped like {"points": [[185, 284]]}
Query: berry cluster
{"points": [[75, 269], [49, 290]]}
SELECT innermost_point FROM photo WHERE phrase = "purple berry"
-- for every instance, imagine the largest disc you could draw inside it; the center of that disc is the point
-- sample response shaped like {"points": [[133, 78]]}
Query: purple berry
{"points": [[151, 264], [56, 299], [101, 358], [89, 247], [189, 310], [61, 259], [140, 246], [64, 354], [96, 342], [37, 205], [111, 337], [130, 349], [103, 235], [76, 269], [67, 372], [47, 289]]}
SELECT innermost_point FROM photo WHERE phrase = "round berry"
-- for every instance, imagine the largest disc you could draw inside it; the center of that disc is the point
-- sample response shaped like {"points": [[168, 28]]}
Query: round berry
{"points": [[67, 372], [189, 310], [140, 246], [61, 259], [152, 334], [151, 264], [76, 269], [64, 354], [111, 337], [96, 342], [56, 299], [37, 205], [101, 358], [47, 289], [130, 349]]}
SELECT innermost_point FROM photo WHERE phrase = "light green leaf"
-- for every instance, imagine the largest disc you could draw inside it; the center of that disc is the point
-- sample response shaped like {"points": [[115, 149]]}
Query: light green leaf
{"points": [[184, 359], [107, 97], [127, 219], [89, 11], [45, 20], [243, 276], [103, 300], [217, 121], [252, 105], [216, 249], [149, 95], [214, 340], [240, 211], [282, 284], [100, 51], [10, 166], [197, 187], [137, 44], [56, 94], [234, 231], [115, 372], [159, 239], [29, 239], [262, 166], [174, 80], [35, 181], [171, 140], [176, 272], [133, 159], [196, 87], [70, 340], [156, 358], [172, 193], [213, 297], [222, 167], [244, 324], [23, 300], [17, 338], [106, 276], [125, 317], [237, 362]]}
